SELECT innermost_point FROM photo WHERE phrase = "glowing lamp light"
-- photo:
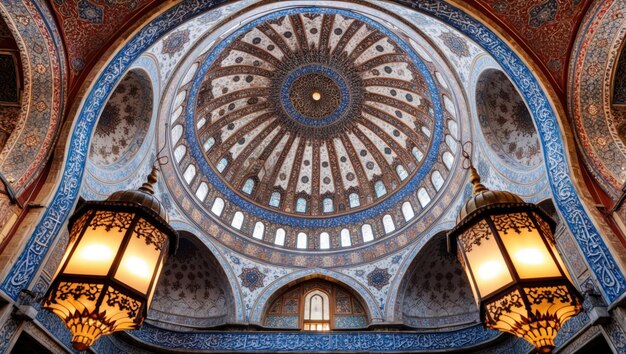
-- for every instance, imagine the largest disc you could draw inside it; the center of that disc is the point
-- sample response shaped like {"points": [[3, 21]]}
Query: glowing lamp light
{"points": [[507, 249], [110, 269], [316, 96]]}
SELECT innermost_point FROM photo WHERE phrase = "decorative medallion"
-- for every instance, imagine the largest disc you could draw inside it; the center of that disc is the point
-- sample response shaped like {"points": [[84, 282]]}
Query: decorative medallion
{"points": [[251, 278], [378, 278]]}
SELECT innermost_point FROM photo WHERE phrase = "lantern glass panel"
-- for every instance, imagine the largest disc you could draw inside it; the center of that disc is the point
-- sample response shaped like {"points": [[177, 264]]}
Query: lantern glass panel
{"points": [[526, 248], [96, 251], [485, 259], [138, 264]]}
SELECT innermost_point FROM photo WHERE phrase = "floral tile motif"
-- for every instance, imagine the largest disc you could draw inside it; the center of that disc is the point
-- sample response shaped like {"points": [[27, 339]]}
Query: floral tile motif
{"points": [[175, 42], [455, 43], [378, 278], [251, 278], [89, 11], [543, 13]]}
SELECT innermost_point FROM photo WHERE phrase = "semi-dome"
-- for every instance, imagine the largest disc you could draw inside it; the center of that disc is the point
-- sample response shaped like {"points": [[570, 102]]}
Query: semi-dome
{"points": [[314, 128]]}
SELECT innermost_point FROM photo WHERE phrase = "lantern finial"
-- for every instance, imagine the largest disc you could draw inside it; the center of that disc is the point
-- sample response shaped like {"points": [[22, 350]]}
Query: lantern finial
{"points": [[148, 186], [475, 181]]}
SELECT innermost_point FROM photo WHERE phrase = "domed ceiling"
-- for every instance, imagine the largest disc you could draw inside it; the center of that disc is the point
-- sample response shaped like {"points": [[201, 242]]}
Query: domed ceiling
{"points": [[315, 107], [313, 129]]}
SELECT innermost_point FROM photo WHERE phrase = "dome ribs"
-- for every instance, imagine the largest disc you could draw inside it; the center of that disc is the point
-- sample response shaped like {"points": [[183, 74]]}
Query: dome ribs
{"points": [[236, 70], [292, 184], [394, 83], [366, 43], [327, 25], [397, 148], [315, 177], [275, 37], [227, 144], [298, 29], [340, 189], [347, 35], [274, 174], [359, 169], [266, 182], [220, 101], [380, 60], [255, 51], [393, 102], [378, 157], [417, 139], [218, 124], [244, 155]]}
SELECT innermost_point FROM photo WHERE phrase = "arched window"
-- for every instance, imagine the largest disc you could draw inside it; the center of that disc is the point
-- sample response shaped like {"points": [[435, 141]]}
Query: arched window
{"points": [[388, 224], [279, 240], [218, 206], [316, 311], [324, 241], [368, 234], [426, 131], [275, 199], [177, 132], [237, 220], [345, 238], [301, 205], [437, 180], [328, 205], [202, 191], [248, 186], [454, 128], [423, 197], [379, 188], [208, 144], [448, 160], [353, 198], [301, 241], [407, 211], [451, 142], [221, 165], [401, 171], [179, 153], [190, 173], [417, 153], [259, 230]]}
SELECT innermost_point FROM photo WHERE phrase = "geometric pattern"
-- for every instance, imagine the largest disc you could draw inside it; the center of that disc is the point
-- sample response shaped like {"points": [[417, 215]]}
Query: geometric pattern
{"points": [[251, 278], [378, 278]]}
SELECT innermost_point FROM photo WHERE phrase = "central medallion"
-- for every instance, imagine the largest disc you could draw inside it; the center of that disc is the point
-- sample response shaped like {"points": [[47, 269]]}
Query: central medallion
{"points": [[315, 95]]}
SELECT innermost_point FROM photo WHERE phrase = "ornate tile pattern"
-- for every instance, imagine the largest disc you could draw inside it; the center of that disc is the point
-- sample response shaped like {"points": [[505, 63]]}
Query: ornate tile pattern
{"points": [[505, 121], [378, 278], [192, 290], [124, 122], [44, 92], [251, 278], [596, 53], [437, 291], [547, 28]]}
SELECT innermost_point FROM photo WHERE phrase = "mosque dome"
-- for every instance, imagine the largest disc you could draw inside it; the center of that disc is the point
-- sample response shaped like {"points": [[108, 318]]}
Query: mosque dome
{"points": [[314, 129]]}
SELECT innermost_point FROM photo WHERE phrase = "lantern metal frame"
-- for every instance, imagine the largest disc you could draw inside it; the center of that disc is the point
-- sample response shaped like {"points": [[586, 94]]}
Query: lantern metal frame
{"points": [[486, 207], [139, 206]]}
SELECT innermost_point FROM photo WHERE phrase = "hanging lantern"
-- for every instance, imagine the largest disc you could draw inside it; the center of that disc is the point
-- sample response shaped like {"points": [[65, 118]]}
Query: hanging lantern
{"points": [[507, 249], [108, 274]]}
